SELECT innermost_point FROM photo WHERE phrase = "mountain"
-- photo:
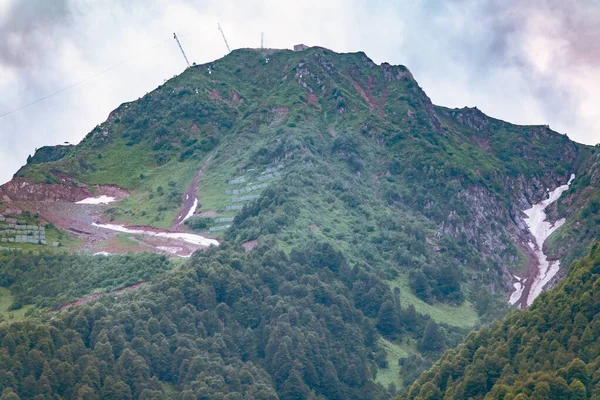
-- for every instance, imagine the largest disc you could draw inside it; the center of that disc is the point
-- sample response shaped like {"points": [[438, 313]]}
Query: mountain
{"points": [[549, 351], [355, 224]]}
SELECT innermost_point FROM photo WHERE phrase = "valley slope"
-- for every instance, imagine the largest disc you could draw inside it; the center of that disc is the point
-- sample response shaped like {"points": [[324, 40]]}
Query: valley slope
{"points": [[549, 351]]}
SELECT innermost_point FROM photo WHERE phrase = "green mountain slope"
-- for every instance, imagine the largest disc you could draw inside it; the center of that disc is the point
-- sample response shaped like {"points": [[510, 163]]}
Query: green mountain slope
{"points": [[383, 228], [357, 142], [549, 351]]}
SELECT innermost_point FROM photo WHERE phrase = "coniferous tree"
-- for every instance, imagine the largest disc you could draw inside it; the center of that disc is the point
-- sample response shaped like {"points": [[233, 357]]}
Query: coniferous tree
{"points": [[577, 390], [388, 319], [9, 394], [432, 339], [294, 387]]}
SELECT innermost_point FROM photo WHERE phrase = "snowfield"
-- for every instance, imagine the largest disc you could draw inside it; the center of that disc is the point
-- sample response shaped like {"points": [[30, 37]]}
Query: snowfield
{"points": [[516, 295], [541, 229], [186, 237], [191, 212]]}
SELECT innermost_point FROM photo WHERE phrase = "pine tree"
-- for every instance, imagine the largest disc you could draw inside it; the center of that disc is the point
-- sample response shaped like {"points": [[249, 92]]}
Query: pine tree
{"points": [[431, 392], [419, 285], [86, 393], [294, 388], [187, 395], [282, 363], [115, 390], [388, 319], [578, 370], [9, 394], [541, 392], [7, 379], [577, 390], [432, 339]]}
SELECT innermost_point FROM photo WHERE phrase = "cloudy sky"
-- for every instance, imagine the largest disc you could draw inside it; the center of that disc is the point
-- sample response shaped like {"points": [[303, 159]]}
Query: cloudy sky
{"points": [[528, 62]]}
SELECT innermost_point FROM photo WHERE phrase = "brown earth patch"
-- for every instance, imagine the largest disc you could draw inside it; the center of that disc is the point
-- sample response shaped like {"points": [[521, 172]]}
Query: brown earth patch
{"points": [[279, 114], [214, 95], [115, 245], [482, 142], [183, 249], [249, 245], [374, 104], [528, 276], [313, 99], [235, 97], [362, 93], [67, 179], [19, 189], [77, 220], [55, 203]]}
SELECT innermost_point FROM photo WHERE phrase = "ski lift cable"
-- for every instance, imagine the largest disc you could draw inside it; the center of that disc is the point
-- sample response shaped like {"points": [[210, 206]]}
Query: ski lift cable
{"points": [[78, 82]]}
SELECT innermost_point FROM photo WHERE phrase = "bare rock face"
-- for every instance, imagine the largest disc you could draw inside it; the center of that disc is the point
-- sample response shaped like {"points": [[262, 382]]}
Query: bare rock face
{"points": [[20, 189], [490, 227], [493, 225]]}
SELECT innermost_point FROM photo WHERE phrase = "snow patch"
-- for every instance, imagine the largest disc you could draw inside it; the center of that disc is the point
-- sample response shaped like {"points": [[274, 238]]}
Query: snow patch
{"points": [[97, 200], [191, 212], [185, 237], [541, 229], [102, 253], [516, 295]]}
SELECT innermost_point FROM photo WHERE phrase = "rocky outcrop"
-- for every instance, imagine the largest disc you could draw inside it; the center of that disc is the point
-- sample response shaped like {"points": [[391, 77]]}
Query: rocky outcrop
{"points": [[19, 189]]}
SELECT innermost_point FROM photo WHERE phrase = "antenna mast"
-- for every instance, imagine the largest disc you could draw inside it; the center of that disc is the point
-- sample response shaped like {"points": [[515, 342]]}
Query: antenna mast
{"points": [[222, 34], [262, 40], [181, 48]]}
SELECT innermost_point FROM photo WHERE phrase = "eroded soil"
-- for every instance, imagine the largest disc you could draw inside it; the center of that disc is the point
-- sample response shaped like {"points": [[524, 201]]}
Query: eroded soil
{"points": [[56, 204]]}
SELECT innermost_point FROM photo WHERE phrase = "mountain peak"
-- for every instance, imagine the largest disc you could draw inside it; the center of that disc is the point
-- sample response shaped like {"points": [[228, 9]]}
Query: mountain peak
{"points": [[326, 206]]}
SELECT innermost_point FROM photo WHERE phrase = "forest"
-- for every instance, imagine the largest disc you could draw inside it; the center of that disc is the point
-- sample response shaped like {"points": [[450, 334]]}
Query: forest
{"points": [[550, 351], [226, 325], [49, 280]]}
